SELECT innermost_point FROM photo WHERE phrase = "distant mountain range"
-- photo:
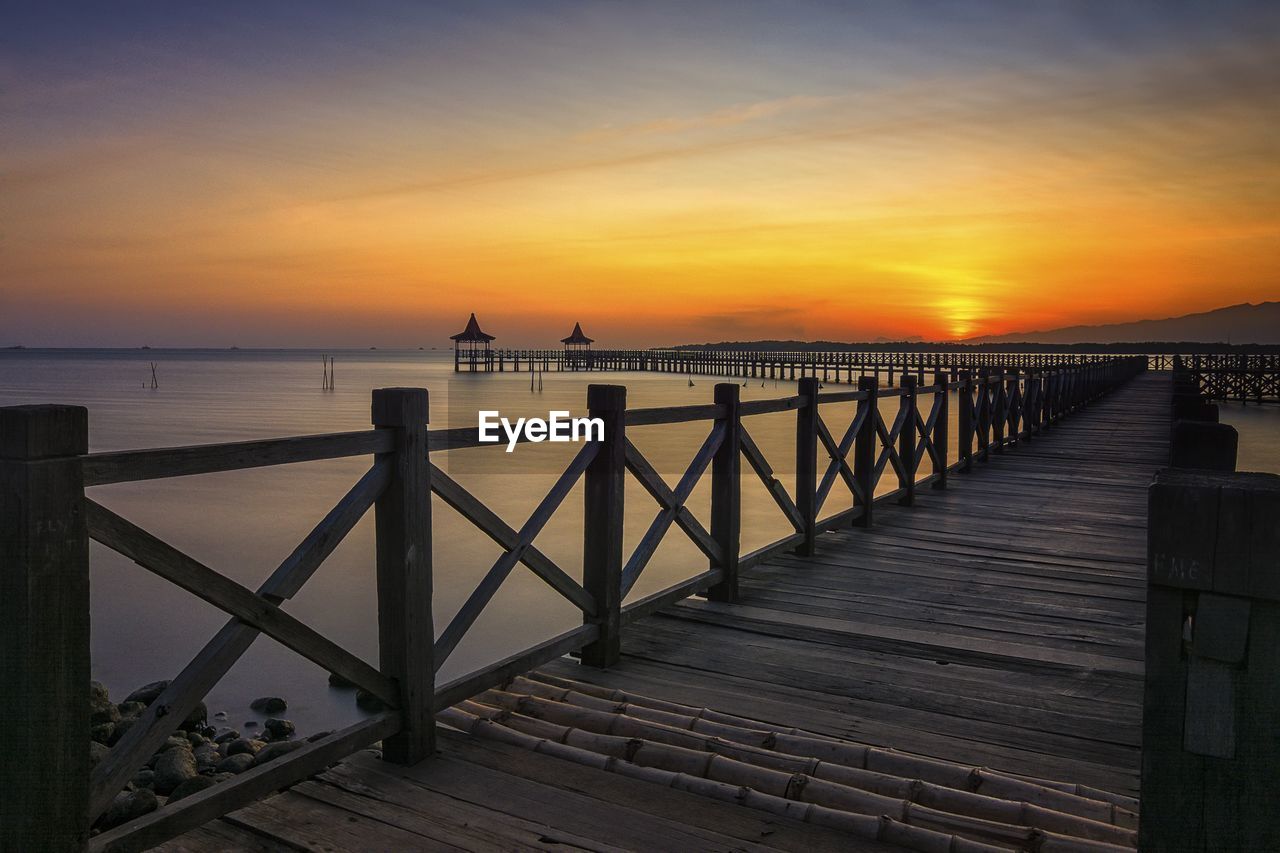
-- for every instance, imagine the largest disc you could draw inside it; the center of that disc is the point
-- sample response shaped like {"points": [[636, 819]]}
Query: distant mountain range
{"points": [[1235, 324]]}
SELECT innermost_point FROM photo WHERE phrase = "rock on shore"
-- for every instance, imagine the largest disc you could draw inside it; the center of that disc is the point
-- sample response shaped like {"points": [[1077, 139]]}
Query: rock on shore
{"points": [[194, 758]]}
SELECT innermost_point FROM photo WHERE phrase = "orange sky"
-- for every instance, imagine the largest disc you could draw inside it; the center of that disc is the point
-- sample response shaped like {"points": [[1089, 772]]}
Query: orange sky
{"points": [[662, 177]]}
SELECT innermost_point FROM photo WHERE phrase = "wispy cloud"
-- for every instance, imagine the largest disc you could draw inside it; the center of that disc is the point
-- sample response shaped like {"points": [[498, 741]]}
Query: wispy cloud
{"points": [[729, 116]]}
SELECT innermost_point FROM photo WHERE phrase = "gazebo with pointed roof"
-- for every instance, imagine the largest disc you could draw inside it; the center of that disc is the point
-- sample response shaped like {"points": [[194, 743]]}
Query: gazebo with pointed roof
{"points": [[475, 343], [577, 347], [577, 338]]}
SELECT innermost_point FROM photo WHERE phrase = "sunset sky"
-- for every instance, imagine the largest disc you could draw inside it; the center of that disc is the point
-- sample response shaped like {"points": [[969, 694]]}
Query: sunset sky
{"points": [[272, 174]]}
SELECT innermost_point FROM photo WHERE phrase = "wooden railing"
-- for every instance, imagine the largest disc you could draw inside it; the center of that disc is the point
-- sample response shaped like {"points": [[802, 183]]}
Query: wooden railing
{"points": [[1234, 372], [1242, 378], [829, 365], [47, 522]]}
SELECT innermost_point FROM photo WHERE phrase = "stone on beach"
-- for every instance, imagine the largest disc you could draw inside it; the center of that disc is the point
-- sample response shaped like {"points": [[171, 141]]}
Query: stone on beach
{"points": [[147, 693], [173, 768], [101, 709], [237, 763], [269, 704], [279, 729], [252, 746], [131, 709], [275, 750], [193, 758], [119, 731], [127, 806], [207, 756], [194, 785], [174, 741]]}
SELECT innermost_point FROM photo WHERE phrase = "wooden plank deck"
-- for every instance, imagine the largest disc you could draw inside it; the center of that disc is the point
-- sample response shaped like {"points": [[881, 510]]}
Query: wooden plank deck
{"points": [[997, 623]]}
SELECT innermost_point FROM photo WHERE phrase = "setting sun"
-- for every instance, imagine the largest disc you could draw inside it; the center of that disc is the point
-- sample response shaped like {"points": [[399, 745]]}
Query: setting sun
{"points": [[1006, 171]]}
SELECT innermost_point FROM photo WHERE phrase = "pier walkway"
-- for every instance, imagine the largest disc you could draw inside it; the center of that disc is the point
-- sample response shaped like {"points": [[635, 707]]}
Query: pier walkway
{"points": [[996, 624]]}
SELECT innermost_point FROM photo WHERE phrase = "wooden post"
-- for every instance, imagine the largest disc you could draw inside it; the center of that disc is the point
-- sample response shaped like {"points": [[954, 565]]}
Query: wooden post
{"points": [[997, 415], [940, 429], [807, 464], [402, 521], [726, 494], [864, 447], [1013, 405], [1193, 407], [1052, 392], [984, 413], [907, 441], [1209, 745], [964, 421], [1042, 400], [1031, 409], [1203, 444], [602, 535], [44, 629]]}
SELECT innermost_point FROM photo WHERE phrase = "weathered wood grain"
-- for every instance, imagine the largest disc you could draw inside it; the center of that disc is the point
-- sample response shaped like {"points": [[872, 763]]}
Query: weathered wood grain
{"points": [[127, 466]]}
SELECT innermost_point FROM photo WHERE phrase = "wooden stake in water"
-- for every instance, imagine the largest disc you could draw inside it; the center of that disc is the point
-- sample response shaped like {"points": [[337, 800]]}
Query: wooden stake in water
{"points": [[326, 362], [154, 382]]}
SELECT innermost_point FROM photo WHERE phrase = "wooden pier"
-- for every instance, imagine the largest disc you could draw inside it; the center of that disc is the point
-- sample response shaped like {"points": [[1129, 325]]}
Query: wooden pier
{"points": [[973, 638], [997, 623], [1233, 377], [828, 366]]}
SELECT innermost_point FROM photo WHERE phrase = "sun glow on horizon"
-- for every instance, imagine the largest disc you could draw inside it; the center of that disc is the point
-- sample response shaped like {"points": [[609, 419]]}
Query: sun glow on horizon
{"points": [[856, 174]]}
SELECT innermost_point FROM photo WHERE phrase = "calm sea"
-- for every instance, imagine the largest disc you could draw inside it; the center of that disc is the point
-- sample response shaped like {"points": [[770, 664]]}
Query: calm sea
{"points": [[1259, 428], [244, 523]]}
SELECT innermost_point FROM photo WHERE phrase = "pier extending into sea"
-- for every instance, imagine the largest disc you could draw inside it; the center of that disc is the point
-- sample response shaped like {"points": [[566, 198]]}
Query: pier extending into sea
{"points": [[1236, 377], [957, 664]]}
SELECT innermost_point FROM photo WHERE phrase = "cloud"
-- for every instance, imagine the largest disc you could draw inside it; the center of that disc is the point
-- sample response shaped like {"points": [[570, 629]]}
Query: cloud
{"points": [[726, 117]]}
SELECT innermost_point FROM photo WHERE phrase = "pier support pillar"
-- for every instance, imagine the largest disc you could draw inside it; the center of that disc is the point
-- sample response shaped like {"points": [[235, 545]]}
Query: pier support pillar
{"points": [[940, 429], [807, 464], [44, 629], [402, 527], [603, 502], [1203, 444], [726, 495], [1209, 747], [864, 448], [907, 441]]}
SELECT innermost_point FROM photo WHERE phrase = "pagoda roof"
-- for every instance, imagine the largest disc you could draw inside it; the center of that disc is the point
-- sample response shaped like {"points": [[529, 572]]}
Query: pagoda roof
{"points": [[472, 332], [577, 337]]}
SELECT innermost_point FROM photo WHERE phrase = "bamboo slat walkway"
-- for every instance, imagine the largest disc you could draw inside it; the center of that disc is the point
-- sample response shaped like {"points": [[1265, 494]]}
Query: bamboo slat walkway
{"points": [[998, 623]]}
